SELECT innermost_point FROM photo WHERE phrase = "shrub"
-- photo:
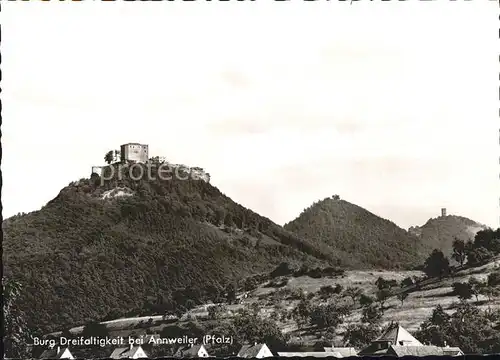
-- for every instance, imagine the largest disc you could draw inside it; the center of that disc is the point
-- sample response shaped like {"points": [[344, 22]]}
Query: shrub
{"points": [[325, 316], [250, 284], [462, 290], [407, 282], [360, 335], [437, 264], [283, 269], [494, 279], [478, 256], [372, 314], [328, 290], [365, 300]]}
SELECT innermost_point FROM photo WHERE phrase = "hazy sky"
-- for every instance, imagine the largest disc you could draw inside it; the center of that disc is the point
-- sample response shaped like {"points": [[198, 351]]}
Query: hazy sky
{"points": [[391, 105]]}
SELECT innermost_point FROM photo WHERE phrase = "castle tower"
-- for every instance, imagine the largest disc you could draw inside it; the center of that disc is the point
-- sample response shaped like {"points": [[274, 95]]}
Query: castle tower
{"points": [[443, 211], [134, 152]]}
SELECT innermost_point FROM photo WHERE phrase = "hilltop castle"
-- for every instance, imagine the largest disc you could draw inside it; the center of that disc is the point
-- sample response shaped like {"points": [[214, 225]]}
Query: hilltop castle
{"points": [[139, 153], [417, 230]]}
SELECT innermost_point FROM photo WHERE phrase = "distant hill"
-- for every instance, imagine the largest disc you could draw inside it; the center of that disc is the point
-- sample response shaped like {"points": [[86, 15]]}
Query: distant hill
{"points": [[439, 233], [123, 246], [361, 239]]}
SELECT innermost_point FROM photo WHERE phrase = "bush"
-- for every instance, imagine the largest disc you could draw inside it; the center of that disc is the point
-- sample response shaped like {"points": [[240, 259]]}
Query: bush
{"points": [[250, 284], [365, 300], [385, 284], [372, 315], [360, 335], [95, 329], [296, 294], [304, 270], [407, 282], [437, 265], [216, 311], [283, 269], [494, 279], [315, 273], [251, 328], [382, 296], [333, 271], [478, 256], [462, 290], [327, 290], [327, 316]]}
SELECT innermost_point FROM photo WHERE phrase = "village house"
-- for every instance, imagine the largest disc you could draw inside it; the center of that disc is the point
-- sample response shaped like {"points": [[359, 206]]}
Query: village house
{"points": [[396, 341], [257, 351], [395, 335], [191, 351], [130, 352], [57, 353], [452, 351]]}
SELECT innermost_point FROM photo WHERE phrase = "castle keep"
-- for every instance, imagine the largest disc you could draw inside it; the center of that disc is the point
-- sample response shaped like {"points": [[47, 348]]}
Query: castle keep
{"points": [[134, 152]]}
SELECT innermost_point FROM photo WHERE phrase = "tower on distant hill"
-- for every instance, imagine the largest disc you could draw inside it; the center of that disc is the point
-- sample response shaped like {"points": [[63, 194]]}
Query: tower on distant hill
{"points": [[443, 211]]}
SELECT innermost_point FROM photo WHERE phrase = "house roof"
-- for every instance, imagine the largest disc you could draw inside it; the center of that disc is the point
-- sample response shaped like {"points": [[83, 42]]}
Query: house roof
{"points": [[344, 351], [188, 351], [416, 350], [395, 335], [250, 351], [124, 352], [312, 354], [398, 336], [52, 353], [452, 351]]}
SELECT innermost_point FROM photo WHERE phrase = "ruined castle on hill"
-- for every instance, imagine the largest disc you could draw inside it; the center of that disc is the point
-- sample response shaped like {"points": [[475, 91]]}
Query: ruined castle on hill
{"points": [[139, 154], [417, 230]]}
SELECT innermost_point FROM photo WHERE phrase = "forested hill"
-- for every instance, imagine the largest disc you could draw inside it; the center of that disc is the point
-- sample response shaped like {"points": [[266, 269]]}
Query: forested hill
{"points": [[440, 232], [123, 247], [362, 239]]}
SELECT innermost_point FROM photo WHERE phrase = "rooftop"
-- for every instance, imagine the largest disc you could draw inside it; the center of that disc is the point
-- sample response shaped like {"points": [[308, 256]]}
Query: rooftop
{"points": [[250, 351], [398, 336], [124, 352]]}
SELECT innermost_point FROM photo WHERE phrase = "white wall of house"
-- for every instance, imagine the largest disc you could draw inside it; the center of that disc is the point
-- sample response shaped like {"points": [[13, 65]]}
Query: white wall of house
{"points": [[202, 352], [66, 354], [139, 354], [264, 352]]}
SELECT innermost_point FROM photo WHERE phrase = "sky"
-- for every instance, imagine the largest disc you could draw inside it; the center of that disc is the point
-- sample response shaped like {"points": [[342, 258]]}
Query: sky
{"points": [[391, 105]]}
